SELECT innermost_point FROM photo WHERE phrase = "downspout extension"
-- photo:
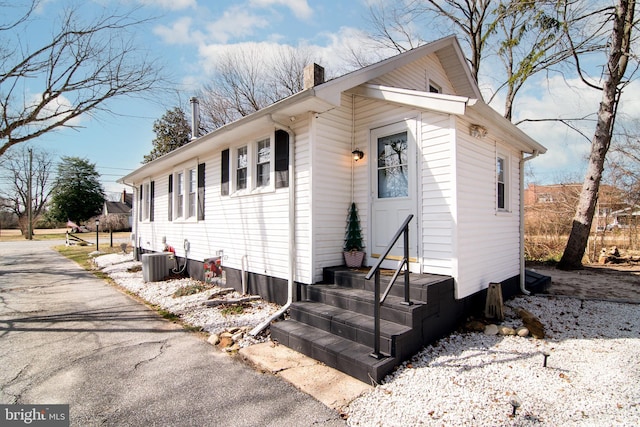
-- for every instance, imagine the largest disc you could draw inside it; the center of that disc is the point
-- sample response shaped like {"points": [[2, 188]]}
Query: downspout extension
{"points": [[292, 229], [522, 269]]}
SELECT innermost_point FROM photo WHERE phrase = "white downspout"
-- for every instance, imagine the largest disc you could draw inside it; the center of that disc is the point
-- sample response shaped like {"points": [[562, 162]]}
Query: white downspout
{"points": [[522, 270], [292, 231], [135, 197]]}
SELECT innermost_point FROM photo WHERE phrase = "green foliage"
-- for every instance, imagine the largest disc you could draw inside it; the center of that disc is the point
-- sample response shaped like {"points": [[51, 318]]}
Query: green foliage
{"points": [[232, 309], [77, 192], [353, 235], [172, 131]]}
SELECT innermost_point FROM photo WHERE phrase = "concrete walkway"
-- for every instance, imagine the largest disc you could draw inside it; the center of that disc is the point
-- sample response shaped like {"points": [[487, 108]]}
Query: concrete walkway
{"points": [[67, 337]]}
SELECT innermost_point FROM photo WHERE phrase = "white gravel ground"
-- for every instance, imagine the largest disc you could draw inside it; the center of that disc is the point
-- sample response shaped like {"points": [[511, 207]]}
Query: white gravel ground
{"points": [[190, 308], [592, 376]]}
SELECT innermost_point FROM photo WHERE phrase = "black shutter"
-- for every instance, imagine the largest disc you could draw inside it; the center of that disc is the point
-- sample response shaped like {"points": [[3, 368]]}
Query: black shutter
{"points": [[224, 174], [201, 192], [282, 159], [152, 199], [170, 204], [140, 204]]}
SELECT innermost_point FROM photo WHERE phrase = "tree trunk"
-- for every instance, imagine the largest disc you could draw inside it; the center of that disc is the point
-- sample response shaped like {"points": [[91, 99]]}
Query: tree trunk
{"points": [[617, 64]]}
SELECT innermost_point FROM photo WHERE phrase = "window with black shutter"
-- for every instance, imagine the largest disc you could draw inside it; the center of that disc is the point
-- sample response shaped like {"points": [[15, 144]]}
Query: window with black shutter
{"points": [[200, 191], [170, 197], [151, 199], [282, 158], [224, 174]]}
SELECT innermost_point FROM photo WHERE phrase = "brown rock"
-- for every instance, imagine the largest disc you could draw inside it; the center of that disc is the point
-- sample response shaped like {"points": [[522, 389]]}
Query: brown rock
{"points": [[225, 342], [532, 323], [505, 330], [475, 326], [214, 339]]}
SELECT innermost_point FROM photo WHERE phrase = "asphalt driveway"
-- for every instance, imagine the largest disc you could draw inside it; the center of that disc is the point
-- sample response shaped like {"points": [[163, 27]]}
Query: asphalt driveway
{"points": [[67, 337]]}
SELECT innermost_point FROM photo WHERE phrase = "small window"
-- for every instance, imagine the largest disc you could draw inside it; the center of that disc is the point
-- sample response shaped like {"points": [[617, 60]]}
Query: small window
{"points": [[146, 201], [192, 193], [434, 88], [263, 168], [180, 195], [502, 174], [241, 168], [201, 191]]}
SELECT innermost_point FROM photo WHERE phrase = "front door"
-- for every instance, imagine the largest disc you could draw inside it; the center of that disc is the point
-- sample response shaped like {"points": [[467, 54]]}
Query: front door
{"points": [[393, 190]]}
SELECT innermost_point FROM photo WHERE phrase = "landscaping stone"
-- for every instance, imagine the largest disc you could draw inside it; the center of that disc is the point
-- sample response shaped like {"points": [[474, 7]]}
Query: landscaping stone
{"points": [[522, 332], [532, 323], [491, 329]]}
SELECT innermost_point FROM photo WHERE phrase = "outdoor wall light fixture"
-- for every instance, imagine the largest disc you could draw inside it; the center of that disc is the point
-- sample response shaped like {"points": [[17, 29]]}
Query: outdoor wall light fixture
{"points": [[477, 131], [357, 154]]}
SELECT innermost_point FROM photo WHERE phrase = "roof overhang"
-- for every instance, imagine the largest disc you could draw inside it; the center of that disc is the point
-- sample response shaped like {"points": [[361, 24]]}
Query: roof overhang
{"points": [[258, 122], [426, 100]]}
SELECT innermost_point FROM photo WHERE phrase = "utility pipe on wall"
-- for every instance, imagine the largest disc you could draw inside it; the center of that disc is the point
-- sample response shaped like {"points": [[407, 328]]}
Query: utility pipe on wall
{"points": [[522, 270], [292, 230]]}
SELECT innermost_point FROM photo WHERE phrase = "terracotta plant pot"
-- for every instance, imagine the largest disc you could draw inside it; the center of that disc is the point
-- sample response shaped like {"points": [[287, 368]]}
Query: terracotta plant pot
{"points": [[353, 259]]}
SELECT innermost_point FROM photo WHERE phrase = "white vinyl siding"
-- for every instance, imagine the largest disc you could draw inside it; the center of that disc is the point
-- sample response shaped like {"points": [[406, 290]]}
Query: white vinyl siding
{"points": [[438, 195], [251, 225], [488, 241], [420, 76]]}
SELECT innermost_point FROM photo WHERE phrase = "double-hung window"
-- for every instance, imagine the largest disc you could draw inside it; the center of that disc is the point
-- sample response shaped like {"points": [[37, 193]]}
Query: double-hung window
{"points": [[258, 167], [179, 195], [263, 168], [242, 163], [146, 201], [186, 193], [502, 189], [192, 193]]}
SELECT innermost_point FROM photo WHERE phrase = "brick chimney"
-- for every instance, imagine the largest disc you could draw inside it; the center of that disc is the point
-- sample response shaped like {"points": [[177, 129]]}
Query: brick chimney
{"points": [[313, 75]]}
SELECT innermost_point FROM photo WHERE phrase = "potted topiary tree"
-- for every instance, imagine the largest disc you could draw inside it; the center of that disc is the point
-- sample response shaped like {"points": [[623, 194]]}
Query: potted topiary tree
{"points": [[353, 246]]}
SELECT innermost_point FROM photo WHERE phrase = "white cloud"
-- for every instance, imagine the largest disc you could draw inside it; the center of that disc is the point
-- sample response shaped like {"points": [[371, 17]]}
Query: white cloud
{"points": [[236, 22], [170, 4], [300, 8], [179, 32]]}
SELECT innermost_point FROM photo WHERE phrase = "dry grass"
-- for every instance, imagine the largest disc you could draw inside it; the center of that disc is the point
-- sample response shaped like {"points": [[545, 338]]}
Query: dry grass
{"points": [[14, 235]]}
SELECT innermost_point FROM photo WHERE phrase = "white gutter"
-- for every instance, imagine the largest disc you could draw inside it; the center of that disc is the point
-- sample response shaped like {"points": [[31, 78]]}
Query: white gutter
{"points": [[522, 272], [134, 197], [292, 231]]}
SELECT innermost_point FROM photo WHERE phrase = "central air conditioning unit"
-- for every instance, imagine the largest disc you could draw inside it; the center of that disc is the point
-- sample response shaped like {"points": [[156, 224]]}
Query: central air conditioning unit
{"points": [[155, 267]]}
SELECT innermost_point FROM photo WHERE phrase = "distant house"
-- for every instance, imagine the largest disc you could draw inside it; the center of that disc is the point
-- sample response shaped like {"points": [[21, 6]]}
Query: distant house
{"points": [[118, 215], [557, 203], [269, 194]]}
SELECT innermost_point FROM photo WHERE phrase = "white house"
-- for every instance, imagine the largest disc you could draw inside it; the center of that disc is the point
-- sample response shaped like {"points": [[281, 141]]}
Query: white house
{"points": [[269, 193]]}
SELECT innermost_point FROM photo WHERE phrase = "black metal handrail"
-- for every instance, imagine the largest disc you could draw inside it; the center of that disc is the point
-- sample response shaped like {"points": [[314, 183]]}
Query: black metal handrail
{"points": [[375, 272]]}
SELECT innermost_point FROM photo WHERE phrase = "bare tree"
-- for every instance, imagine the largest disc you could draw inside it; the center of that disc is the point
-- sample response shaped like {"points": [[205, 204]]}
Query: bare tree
{"points": [[15, 170], [615, 79], [527, 36], [248, 79], [77, 71]]}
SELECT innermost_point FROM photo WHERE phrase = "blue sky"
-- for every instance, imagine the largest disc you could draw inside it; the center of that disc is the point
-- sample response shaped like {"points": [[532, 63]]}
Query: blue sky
{"points": [[187, 36]]}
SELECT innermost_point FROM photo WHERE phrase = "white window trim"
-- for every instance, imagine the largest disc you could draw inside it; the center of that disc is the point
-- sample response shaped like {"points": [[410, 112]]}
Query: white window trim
{"points": [[252, 168], [185, 171], [507, 182], [146, 200]]}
